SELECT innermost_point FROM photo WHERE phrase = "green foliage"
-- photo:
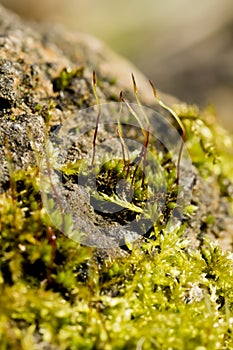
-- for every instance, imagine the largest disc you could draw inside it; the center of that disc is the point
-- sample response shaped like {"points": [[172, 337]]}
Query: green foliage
{"points": [[63, 81], [163, 295], [209, 145]]}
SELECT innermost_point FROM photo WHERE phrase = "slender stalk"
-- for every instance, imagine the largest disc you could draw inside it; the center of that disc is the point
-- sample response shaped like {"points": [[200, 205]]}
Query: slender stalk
{"points": [[145, 154], [180, 124], [138, 100], [123, 146], [147, 134], [142, 155], [133, 113], [119, 131], [94, 86]]}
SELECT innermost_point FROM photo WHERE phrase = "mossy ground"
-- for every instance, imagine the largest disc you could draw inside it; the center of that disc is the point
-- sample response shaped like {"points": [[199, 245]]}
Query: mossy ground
{"points": [[57, 294], [173, 291]]}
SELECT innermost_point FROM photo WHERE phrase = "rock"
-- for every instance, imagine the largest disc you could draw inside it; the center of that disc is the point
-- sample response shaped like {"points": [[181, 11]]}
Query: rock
{"points": [[46, 76]]}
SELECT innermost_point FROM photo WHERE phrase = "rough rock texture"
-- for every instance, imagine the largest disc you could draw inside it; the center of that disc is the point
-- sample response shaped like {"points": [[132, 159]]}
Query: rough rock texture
{"points": [[31, 61]]}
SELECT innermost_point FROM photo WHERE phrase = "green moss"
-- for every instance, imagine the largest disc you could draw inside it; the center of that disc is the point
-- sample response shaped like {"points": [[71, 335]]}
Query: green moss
{"points": [[160, 296], [209, 145], [63, 81], [45, 110], [163, 295]]}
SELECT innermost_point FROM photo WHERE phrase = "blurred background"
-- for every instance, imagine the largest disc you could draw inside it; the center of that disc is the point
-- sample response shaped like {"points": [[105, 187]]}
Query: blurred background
{"points": [[184, 46]]}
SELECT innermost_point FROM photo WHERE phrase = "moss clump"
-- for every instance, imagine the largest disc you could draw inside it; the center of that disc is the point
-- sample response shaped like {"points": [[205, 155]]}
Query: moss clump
{"points": [[63, 81], [163, 295], [118, 186], [57, 294], [209, 145]]}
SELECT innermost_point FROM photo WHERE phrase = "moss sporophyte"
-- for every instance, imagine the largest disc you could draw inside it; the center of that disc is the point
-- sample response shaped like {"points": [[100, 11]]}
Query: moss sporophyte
{"points": [[137, 182]]}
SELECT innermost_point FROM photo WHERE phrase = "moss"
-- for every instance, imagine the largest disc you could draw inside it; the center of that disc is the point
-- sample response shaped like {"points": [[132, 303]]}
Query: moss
{"points": [[209, 145], [63, 81], [163, 295], [57, 294]]}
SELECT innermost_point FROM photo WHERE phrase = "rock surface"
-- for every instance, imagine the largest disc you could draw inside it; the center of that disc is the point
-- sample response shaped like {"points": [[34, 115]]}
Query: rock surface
{"points": [[32, 60]]}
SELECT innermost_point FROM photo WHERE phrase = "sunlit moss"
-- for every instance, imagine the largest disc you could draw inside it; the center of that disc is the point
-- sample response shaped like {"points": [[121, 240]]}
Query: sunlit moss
{"points": [[162, 295]]}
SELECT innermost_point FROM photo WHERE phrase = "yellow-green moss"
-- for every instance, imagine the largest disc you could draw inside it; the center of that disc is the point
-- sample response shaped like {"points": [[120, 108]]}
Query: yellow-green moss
{"points": [[163, 295]]}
